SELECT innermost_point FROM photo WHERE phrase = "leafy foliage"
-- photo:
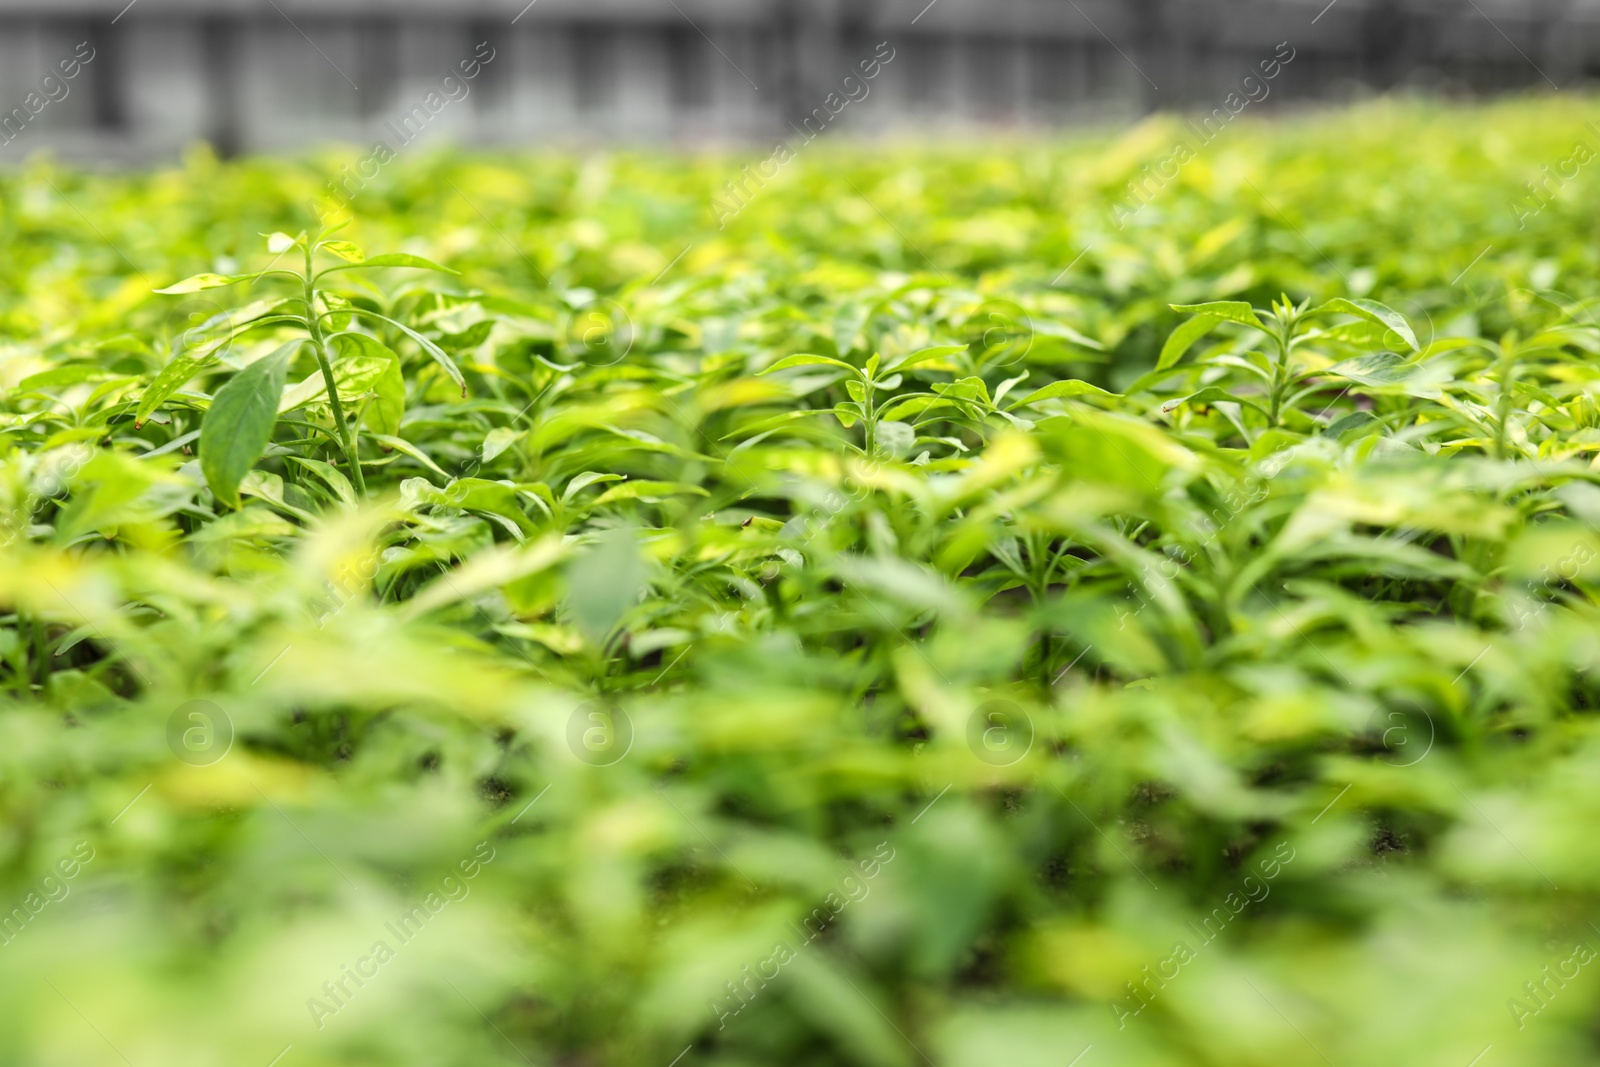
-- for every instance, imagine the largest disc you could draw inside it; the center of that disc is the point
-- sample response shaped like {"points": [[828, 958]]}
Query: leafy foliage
{"points": [[846, 637]]}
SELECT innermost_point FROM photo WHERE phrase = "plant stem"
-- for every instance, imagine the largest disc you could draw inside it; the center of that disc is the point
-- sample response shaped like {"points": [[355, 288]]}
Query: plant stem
{"points": [[869, 425], [1280, 375], [41, 654], [347, 436], [1502, 429]]}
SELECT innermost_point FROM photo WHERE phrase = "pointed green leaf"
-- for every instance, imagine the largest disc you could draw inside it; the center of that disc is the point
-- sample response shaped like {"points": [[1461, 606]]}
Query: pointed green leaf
{"points": [[1061, 390], [1184, 338], [353, 377], [1212, 395], [1391, 371], [331, 476], [584, 480], [433, 350], [204, 281], [389, 406], [392, 259], [648, 491], [498, 440], [400, 444], [172, 378], [1228, 310], [808, 360], [345, 250], [239, 425], [1373, 312], [924, 355]]}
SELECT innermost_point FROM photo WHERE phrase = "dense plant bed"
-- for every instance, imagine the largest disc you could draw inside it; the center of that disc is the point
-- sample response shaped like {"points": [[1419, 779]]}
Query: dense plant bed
{"points": [[969, 609]]}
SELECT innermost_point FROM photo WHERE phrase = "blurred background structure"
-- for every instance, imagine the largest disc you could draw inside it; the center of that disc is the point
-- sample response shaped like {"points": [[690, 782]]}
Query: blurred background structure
{"points": [[263, 75]]}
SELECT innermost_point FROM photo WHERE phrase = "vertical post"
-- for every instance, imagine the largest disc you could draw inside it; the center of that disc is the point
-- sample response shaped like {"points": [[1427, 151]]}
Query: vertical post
{"points": [[1153, 47], [107, 80], [219, 53]]}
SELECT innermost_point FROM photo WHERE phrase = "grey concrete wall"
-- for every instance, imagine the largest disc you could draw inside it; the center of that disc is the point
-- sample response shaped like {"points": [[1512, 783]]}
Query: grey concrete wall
{"points": [[273, 75]]}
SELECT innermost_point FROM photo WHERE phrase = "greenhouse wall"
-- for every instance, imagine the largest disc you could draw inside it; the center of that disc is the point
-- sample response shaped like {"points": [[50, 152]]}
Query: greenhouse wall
{"points": [[154, 76]]}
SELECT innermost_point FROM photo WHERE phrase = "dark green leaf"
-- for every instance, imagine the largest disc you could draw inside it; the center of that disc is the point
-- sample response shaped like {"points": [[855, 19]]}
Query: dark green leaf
{"points": [[239, 423]]}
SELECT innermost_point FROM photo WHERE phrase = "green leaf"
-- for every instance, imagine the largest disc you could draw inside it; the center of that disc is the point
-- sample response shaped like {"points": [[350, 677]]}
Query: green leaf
{"points": [[604, 580], [401, 445], [268, 486], [914, 405], [1211, 395], [471, 337], [239, 425], [352, 376], [1350, 422], [1064, 332], [111, 489], [202, 282], [482, 496], [924, 355], [898, 438], [345, 250], [1373, 312], [586, 479], [970, 388], [498, 440], [1392, 372], [643, 490], [172, 378], [389, 403], [438, 354], [72, 374], [392, 259], [808, 360], [1184, 338], [1227, 310], [1061, 390], [331, 476], [389, 406]]}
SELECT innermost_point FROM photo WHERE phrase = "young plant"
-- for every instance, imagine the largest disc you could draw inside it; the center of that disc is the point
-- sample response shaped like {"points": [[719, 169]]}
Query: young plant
{"points": [[880, 431], [1288, 328], [244, 412]]}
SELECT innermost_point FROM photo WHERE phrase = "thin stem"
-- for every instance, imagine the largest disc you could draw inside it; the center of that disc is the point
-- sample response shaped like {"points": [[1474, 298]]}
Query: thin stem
{"points": [[1502, 428], [318, 345], [323, 430], [870, 423], [1280, 374]]}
